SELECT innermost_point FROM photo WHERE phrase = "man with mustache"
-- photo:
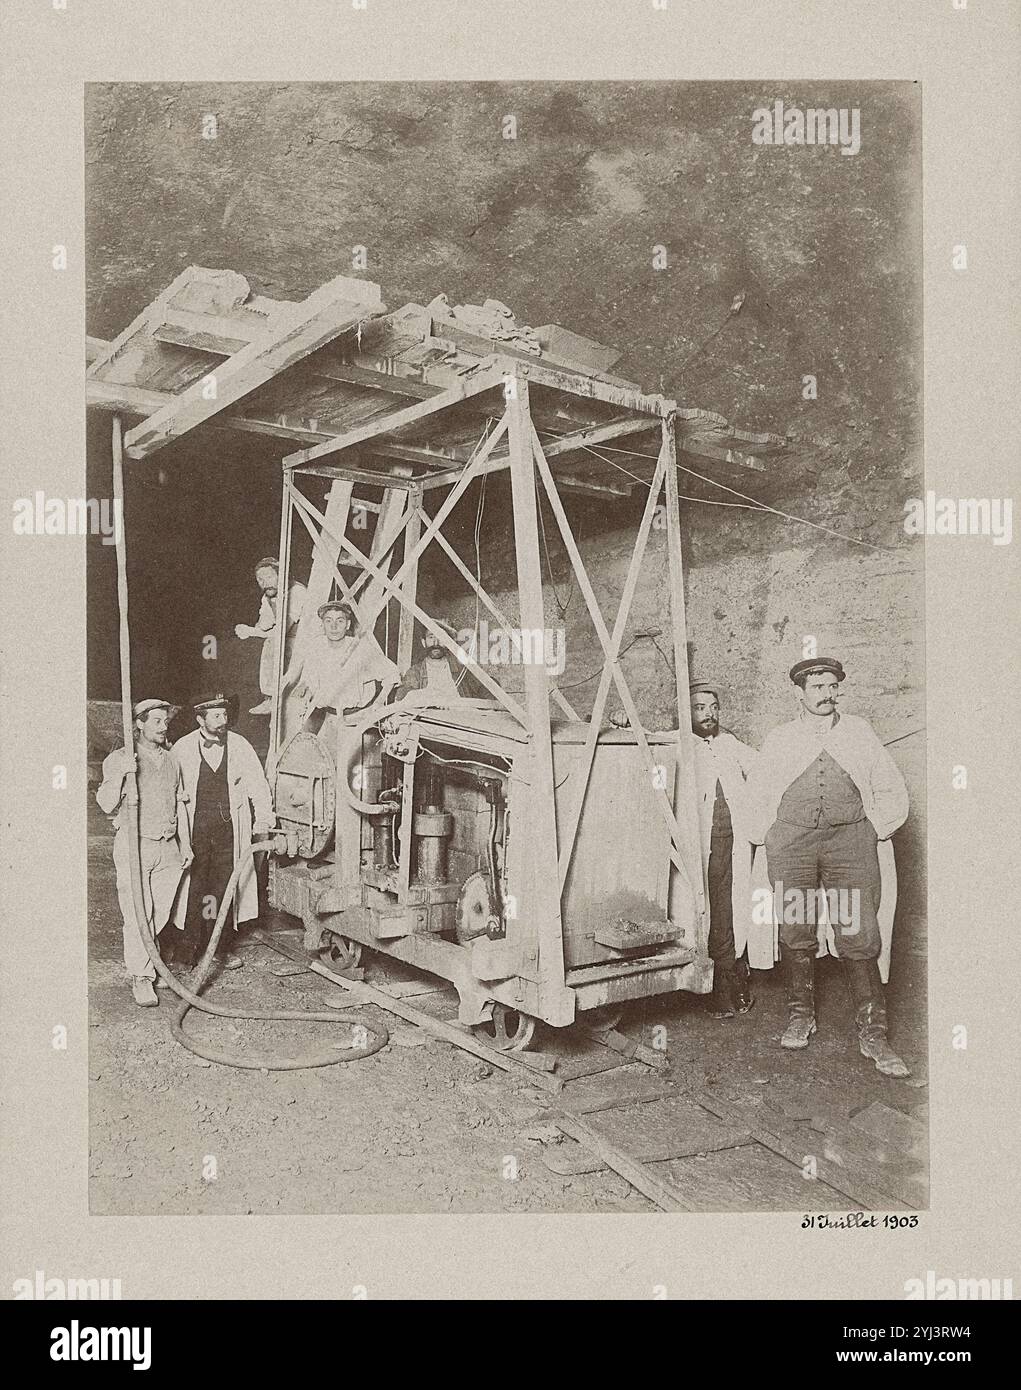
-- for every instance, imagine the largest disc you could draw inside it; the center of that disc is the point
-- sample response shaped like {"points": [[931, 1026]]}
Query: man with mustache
{"points": [[722, 765], [164, 845], [229, 802], [825, 799], [267, 576]]}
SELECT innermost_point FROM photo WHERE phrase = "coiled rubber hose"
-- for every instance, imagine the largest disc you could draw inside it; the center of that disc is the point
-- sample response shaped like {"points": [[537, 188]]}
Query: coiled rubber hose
{"points": [[376, 1034]]}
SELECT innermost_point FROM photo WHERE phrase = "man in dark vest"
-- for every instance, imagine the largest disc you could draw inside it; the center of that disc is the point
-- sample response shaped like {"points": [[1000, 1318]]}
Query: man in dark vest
{"points": [[228, 799], [825, 797]]}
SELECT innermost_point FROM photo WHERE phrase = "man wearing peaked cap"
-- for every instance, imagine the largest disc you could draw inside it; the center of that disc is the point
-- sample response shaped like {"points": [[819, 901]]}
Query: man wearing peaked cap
{"points": [[228, 799], [341, 670], [826, 797], [722, 765], [164, 846]]}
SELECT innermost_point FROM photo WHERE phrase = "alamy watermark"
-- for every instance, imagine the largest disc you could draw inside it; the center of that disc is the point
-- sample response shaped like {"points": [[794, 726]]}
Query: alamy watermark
{"points": [[789, 125], [40, 515], [516, 646], [960, 516]]}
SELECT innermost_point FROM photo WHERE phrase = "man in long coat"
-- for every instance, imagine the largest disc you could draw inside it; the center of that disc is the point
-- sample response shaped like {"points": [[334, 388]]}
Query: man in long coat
{"points": [[229, 802], [825, 799], [722, 765]]}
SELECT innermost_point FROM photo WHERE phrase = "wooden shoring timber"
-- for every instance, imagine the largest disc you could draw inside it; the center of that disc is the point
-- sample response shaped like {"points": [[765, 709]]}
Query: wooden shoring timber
{"points": [[488, 603], [468, 474], [392, 588], [575, 384], [659, 795], [609, 664], [545, 922], [486, 378], [277, 715], [296, 331], [688, 810]]}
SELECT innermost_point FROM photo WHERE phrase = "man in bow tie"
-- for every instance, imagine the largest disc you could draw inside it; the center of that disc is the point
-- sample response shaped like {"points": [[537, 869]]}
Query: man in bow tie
{"points": [[229, 800]]}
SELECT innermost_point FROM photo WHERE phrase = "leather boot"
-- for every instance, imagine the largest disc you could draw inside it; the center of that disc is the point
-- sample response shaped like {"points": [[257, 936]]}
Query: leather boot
{"points": [[799, 975], [721, 1004], [870, 1016], [741, 988]]}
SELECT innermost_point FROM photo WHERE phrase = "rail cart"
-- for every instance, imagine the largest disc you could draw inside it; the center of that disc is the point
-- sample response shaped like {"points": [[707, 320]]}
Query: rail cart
{"points": [[543, 861]]}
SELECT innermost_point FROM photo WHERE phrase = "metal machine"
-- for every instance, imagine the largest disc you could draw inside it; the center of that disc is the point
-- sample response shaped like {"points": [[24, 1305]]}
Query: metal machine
{"points": [[544, 862]]}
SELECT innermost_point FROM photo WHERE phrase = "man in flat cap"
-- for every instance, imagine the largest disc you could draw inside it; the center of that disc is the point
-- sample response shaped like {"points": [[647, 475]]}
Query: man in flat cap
{"points": [[826, 797], [341, 670], [722, 765], [229, 802], [267, 576], [164, 845]]}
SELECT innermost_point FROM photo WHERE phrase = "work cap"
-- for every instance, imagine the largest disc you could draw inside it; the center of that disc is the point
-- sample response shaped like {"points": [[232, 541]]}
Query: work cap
{"points": [[335, 605], [217, 701], [141, 707], [711, 686], [817, 666]]}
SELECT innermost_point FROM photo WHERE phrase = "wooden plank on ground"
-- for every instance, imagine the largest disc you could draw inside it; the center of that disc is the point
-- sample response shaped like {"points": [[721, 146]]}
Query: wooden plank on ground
{"points": [[664, 1194], [517, 1064]]}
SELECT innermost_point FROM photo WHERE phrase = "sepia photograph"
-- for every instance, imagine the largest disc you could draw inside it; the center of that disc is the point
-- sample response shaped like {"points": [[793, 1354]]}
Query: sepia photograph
{"points": [[506, 661]]}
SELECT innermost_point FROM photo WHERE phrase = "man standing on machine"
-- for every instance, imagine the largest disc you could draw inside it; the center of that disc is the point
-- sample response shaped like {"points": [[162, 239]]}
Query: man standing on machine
{"points": [[722, 765], [229, 801], [267, 576], [164, 845]]}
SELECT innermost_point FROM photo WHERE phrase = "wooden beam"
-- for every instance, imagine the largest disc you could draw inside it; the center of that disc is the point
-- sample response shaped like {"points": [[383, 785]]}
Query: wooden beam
{"points": [[665, 1195], [473, 385], [296, 331], [546, 928], [685, 808], [576, 384]]}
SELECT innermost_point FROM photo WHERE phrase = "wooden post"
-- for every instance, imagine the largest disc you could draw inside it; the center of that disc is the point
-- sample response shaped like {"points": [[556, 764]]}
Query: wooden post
{"points": [[686, 806], [543, 915], [277, 729], [405, 639]]}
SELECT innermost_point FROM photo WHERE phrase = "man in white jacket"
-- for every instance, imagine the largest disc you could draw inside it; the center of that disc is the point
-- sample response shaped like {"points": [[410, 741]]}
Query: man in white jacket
{"points": [[722, 765], [824, 794], [228, 799]]}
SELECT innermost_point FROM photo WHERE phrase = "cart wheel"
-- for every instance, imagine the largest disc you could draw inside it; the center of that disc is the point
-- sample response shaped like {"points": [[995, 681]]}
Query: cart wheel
{"points": [[341, 952], [605, 1019], [507, 1031]]}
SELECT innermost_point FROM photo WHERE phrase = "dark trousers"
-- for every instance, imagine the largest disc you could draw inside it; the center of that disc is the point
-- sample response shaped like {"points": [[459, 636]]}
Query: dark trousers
{"points": [[720, 882], [210, 870], [841, 859]]}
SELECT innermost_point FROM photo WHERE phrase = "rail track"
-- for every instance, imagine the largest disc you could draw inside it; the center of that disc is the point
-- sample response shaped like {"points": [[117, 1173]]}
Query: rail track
{"points": [[616, 1104]]}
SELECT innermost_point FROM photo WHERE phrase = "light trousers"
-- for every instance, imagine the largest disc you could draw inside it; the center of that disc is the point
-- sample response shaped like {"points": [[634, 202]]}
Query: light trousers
{"points": [[161, 877]]}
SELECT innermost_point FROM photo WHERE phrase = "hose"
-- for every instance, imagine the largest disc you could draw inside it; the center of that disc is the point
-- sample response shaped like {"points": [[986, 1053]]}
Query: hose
{"points": [[377, 1033]]}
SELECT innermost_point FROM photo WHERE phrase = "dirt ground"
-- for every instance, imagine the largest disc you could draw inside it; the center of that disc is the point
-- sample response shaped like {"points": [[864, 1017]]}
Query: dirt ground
{"points": [[422, 1126]]}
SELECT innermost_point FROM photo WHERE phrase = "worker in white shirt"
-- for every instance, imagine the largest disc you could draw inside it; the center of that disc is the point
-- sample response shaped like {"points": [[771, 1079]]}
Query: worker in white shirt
{"points": [[722, 765], [825, 799], [267, 576], [164, 845], [341, 670]]}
